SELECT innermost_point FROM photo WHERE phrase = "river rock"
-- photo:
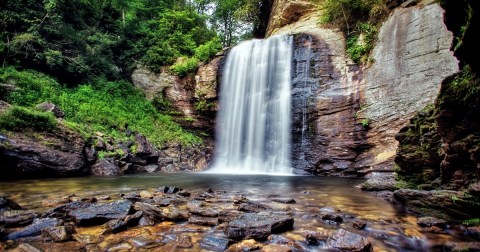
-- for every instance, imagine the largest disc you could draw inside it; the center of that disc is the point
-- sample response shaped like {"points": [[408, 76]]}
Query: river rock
{"points": [[17, 217], [7, 204], [344, 240], [105, 168], [276, 248], [25, 247], [214, 243], [34, 229], [203, 221], [431, 221], [155, 213], [473, 232], [168, 189], [58, 234], [183, 241], [257, 225], [64, 210], [333, 217], [132, 220], [380, 181], [253, 207], [114, 226], [99, 213], [245, 245], [461, 246], [284, 200], [278, 239]]}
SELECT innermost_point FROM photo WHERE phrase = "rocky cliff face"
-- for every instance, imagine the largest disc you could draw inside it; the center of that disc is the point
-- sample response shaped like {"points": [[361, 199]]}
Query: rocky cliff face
{"points": [[346, 116]]}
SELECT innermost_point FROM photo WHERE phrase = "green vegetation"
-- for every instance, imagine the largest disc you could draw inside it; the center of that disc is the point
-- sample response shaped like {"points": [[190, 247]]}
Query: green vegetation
{"points": [[465, 85], [104, 106], [358, 19], [183, 67], [472, 222], [365, 123], [19, 118]]}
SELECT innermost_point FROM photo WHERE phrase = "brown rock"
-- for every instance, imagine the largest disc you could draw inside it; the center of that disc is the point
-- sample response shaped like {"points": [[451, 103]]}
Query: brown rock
{"points": [[461, 246], [344, 240], [245, 245], [105, 168], [431, 221], [58, 234], [203, 221], [257, 225], [276, 248]]}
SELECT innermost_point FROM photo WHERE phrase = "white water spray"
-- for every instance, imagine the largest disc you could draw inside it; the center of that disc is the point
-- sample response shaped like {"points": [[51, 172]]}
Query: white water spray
{"points": [[253, 132]]}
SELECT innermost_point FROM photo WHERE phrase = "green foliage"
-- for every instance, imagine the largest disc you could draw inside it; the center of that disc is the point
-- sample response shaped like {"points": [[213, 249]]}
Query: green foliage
{"points": [[105, 106], [184, 67], [472, 222], [360, 45], [19, 118], [365, 123], [206, 51], [465, 85], [203, 105]]}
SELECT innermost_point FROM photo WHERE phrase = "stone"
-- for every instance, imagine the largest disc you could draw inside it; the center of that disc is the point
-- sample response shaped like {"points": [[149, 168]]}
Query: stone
{"points": [[105, 168], [359, 224], [16, 217], [50, 202], [344, 240], [7, 204], [431, 221], [50, 107], [253, 207], [152, 168], [278, 239], [33, 229], [25, 247], [59, 153], [284, 200], [146, 194], [144, 147], [168, 189], [276, 248], [155, 213], [203, 221], [380, 181], [473, 232], [257, 225], [90, 154], [333, 217], [99, 213], [183, 241], [150, 83], [64, 210], [214, 243], [315, 237], [114, 226], [133, 219], [58, 234], [245, 245], [146, 221], [461, 246]]}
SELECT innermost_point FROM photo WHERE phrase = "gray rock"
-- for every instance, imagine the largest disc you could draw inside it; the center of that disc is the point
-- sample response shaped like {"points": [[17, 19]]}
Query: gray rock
{"points": [[203, 221], [58, 234], [214, 243], [101, 212], [114, 226], [16, 217], [347, 241], [33, 229], [104, 168], [257, 225], [431, 221], [152, 168]]}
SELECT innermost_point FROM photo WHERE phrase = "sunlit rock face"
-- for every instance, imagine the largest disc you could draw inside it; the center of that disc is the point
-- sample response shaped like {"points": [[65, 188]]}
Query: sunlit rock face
{"points": [[345, 117]]}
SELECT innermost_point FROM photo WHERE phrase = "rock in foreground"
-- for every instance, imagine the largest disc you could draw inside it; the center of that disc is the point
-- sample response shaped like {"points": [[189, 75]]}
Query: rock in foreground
{"points": [[347, 241], [258, 225], [100, 213]]}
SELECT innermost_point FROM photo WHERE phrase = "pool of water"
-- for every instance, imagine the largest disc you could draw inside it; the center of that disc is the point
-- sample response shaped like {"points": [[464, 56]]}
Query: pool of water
{"points": [[389, 227]]}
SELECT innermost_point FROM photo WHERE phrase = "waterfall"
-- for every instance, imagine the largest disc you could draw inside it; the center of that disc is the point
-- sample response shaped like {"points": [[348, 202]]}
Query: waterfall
{"points": [[253, 131]]}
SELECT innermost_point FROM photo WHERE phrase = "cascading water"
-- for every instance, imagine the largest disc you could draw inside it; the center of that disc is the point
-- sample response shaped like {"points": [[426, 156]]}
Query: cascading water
{"points": [[253, 132]]}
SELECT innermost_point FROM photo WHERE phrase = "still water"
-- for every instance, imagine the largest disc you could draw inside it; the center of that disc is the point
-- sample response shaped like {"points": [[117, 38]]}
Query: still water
{"points": [[389, 227]]}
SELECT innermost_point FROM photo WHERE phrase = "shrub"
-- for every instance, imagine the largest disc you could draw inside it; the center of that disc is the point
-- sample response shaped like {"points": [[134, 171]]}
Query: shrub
{"points": [[206, 51], [19, 118], [360, 45], [184, 67]]}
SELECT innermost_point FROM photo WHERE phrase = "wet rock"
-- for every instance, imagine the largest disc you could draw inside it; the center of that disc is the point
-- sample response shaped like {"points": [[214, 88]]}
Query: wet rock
{"points": [[206, 212], [183, 241], [58, 234], [146, 221], [25, 247], [344, 240], [380, 181], [168, 189], [245, 245], [184, 193], [113, 227], [55, 201], [228, 215], [461, 246], [276, 248], [99, 213], [145, 241], [7, 204], [253, 207], [203, 221], [315, 237], [34, 229], [333, 217], [105, 168], [239, 199], [431, 221], [87, 239], [215, 243], [146, 194], [132, 220], [284, 200], [473, 232], [64, 210], [16, 217], [152, 168], [359, 224], [278, 239], [156, 213], [258, 225]]}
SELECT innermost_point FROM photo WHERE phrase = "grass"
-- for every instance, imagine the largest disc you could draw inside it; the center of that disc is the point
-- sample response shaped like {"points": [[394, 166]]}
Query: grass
{"points": [[102, 106], [19, 118]]}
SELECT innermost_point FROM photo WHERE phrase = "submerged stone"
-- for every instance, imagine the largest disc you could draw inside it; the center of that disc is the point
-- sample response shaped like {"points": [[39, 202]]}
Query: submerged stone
{"points": [[214, 243], [100, 212], [258, 225], [461, 246]]}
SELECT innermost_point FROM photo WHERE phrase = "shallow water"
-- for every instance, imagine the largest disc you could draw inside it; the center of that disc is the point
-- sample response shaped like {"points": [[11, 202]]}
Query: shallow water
{"points": [[389, 227]]}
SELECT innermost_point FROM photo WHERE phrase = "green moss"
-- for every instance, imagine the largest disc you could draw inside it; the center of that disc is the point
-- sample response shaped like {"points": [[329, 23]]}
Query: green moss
{"points": [[204, 105], [472, 222], [184, 67], [19, 118]]}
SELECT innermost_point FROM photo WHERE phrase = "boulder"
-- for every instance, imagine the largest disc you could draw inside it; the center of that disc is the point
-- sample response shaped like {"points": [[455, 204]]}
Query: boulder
{"points": [[34, 229], [380, 181], [105, 168], [347, 241], [99, 213], [431, 221], [257, 225], [50, 107]]}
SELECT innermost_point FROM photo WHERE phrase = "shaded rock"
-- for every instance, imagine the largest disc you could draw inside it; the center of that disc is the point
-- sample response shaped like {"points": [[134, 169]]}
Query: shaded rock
{"points": [[25, 247], [104, 168], [16, 217], [184, 193], [114, 226], [206, 212], [203, 221], [380, 181], [228, 215], [90, 154], [132, 220], [333, 217], [156, 213], [284, 200], [344, 240], [473, 232], [315, 237], [214, 243], [431, 221], [245, 245], [34, 229], [461, 246], [58, 234], [50, 107], [146, 221], [64, 210], [144, 147], [101, 212], [152, 168], [359, 224], [258, 225], [7, 204]]}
